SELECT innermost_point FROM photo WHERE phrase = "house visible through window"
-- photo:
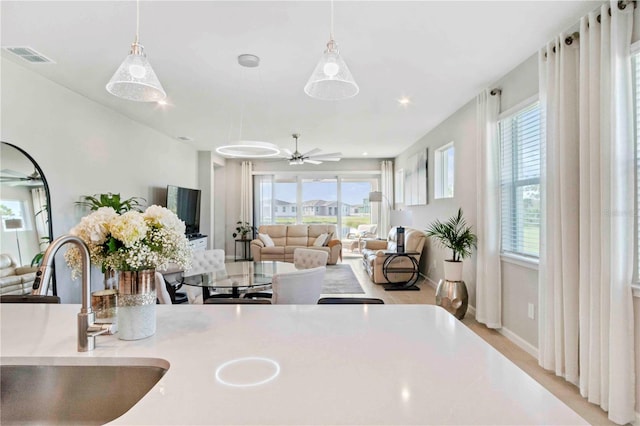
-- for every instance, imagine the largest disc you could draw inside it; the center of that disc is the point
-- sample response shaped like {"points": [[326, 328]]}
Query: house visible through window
{"points": [[444, 171], [520, 142]]}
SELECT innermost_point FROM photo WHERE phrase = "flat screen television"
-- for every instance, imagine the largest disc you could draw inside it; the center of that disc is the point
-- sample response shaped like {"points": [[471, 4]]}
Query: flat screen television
{"points": [[185, 203]]}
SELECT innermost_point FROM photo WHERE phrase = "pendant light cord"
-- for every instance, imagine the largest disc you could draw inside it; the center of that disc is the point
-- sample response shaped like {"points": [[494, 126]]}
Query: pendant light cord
{"points": [[137, 20], [331, 33]]}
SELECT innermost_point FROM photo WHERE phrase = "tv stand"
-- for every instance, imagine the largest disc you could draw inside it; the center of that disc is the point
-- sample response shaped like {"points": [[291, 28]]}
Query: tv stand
{"points": [[197, 241]]}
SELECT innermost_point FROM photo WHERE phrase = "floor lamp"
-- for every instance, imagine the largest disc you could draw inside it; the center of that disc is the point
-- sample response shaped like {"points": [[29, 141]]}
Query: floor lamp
{"points": [[15, 224]]}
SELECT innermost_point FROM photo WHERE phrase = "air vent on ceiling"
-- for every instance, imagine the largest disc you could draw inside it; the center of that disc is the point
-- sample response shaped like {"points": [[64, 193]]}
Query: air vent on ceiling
{"points": [[29, 55]]}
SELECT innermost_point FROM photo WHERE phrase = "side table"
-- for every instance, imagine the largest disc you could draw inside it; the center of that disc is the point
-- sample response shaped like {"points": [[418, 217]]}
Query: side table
{"points": [[244, 251], [389, 269]]}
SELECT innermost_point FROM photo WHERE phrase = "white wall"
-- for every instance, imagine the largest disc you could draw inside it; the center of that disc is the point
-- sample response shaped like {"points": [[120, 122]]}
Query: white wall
{"points": [[84, 148]]}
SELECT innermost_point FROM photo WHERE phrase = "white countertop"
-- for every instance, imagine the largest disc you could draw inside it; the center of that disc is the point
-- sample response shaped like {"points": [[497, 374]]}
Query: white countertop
{"points": [[339, 364]]}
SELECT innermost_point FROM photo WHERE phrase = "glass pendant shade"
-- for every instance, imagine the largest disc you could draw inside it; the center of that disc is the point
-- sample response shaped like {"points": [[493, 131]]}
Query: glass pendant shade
{"points": [[331, 79], [135, 80]]}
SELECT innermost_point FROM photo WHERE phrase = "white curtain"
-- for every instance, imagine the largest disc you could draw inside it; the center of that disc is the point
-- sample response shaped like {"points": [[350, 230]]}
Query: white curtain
{"points": [[386, 187], [606, 212], [586, 317], [559, 177], [488, 279], [246, 192]]}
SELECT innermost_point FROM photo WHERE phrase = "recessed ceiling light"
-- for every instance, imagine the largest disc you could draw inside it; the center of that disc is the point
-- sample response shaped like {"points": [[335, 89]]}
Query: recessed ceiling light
{"points": [[365, 153], [184, 138], [404, 101]]}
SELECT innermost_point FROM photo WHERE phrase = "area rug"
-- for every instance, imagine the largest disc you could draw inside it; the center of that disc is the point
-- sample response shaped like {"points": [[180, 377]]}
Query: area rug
{"points": [[340, 279]]}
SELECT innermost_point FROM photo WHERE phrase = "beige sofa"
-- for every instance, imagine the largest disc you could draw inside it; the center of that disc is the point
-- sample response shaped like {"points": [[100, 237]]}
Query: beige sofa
{"points": [[287, 238], [375, 253], [15, 279]]}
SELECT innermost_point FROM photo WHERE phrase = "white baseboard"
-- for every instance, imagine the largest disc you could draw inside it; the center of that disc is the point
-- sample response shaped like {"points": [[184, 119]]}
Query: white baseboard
{"points": [[519, 341]]}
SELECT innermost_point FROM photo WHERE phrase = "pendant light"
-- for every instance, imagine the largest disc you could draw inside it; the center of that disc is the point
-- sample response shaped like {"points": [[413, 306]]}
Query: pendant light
{"points": [[247, 148], [135, 80], [331, 79]]}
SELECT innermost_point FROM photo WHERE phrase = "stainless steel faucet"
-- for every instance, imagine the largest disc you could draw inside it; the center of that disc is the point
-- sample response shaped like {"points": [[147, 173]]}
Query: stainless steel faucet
{"points": [[87, 329]]}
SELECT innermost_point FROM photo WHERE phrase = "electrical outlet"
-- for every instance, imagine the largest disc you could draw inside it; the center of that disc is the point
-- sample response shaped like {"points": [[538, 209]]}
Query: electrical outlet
{"points": [[531, 311]]}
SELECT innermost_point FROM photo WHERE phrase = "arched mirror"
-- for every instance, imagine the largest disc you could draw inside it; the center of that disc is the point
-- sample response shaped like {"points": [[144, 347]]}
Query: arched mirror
{"points": [[25, 219]]}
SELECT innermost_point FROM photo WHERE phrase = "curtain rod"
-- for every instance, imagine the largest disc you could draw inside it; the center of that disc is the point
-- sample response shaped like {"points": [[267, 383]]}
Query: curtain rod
{"points": [[622, 5]]}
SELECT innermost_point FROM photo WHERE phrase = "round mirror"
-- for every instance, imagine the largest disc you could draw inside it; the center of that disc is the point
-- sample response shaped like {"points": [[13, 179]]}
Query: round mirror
{"points": [[25, 219]]}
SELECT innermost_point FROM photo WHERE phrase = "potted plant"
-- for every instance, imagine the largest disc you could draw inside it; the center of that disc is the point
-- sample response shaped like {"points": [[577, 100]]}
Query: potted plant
{"points": [[242, 229], [111, 200], [456, 235]]}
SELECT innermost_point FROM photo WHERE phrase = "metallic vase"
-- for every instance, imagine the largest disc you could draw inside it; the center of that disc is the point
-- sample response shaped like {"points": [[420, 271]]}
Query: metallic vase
{"points": [[136, 304], [453, 296]]}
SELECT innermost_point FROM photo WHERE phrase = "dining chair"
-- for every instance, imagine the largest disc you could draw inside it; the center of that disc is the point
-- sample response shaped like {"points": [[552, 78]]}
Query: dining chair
{"points": [[236, 301], [203, 261], [161, 290], [309, 258], [350, 301], [301, 287]]}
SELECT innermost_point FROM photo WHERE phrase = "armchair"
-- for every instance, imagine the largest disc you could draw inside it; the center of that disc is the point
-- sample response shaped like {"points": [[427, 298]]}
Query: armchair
{"points": [[354, 240], [375, 252]]}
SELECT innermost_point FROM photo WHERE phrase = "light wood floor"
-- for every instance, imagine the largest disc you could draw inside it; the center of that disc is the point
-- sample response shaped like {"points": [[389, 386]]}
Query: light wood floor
{"points": [[563, 390]]}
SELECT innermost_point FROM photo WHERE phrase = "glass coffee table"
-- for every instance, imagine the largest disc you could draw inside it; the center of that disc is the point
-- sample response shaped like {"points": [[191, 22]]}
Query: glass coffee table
{"points": [[237, 277]]}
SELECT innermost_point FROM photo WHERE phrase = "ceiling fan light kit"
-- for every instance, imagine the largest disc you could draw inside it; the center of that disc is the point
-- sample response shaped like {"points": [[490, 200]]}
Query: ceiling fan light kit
{"points": [[315, 156], [134, 79]]}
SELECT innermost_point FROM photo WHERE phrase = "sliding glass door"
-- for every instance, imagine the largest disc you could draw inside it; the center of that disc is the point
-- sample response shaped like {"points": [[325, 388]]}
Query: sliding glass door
{"points": [[320, 201], [355, 204]]}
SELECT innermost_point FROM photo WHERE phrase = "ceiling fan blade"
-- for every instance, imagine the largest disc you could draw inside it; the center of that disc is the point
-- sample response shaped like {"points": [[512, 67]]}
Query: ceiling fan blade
{"points": [[312, 161], [312, 152], [288, 152], [326, 158], [330, 154]]}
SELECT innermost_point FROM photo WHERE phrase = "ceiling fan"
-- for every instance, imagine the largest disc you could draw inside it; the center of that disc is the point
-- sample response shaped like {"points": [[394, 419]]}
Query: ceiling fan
{"points": [[14, 178], [315, 156]]}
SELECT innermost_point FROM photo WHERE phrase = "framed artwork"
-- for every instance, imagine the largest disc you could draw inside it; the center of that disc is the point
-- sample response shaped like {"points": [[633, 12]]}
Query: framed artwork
{"points": [[416, 179]]}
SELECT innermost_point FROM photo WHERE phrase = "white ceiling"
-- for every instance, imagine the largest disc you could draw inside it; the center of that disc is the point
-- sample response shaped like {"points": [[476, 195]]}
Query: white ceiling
{"points": [[439, 53]]}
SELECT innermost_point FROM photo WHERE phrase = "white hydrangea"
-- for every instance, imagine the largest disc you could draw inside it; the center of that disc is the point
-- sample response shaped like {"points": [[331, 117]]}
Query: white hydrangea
{"points": [[158, 216], [129, 227], [94, 228]]}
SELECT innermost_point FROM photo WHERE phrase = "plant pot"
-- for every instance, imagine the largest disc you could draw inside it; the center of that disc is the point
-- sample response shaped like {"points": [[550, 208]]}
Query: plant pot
{"points": [[453, 296], [452, 270]]}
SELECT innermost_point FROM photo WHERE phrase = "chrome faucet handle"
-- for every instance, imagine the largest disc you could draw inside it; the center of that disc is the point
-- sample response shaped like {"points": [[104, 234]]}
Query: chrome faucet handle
{"points": [[106, 328]]}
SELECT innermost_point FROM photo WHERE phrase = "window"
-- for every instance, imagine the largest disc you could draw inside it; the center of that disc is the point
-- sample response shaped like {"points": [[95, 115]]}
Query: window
{"points": [[343, 201], [520, 142], [444, 171]]}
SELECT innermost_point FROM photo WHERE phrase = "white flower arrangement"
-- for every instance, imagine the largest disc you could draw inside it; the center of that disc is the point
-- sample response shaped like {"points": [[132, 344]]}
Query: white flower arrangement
{"points": [[132, 241]]}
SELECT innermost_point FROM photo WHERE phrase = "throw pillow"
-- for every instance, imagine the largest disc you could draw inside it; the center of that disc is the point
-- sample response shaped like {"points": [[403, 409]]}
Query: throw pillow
{"points": [[319, 242], [266, 239], [329, 238]]}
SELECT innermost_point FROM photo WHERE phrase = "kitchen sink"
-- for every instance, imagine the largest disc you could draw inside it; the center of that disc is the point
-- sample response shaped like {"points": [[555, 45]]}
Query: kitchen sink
{"points": [[49, 390]]}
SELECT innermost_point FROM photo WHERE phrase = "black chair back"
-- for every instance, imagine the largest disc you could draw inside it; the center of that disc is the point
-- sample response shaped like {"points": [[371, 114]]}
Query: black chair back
{"points": [[350, 301], [236, 301], [28, 298]]}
